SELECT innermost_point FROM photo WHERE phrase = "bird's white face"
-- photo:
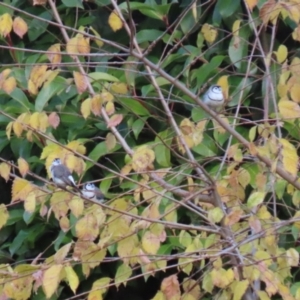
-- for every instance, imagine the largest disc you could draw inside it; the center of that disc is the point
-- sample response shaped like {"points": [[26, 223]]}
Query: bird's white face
{"points": [[89, 187], [215, 92], [216, 89], [56, 162]]}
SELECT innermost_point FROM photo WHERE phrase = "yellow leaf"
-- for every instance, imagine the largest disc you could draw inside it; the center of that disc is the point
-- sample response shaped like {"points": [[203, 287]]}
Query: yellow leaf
{"points": [[72, 278], [20, 189], [61, 254], [295, 67], [295, 92], [251, 4], [223, 83], [172, 215], [3, 215], [77, 146], [240, 289], [150, 242], [86, 228], [86, 108], [96, 105], [119, 88], [9, 85], [190, 286], [281, 53], [215, 215], [209, 32], [59, 205], [142, 158], [122, 275], [292, 257], [114, 21], [20, 27], [32, 87], [110, 108], [5, 170], [55, 56], [76, 206], [50, 280], [83, 44], [289, 109], [80, 82], [110, 141], [98, 37], [99, 287], [6, 24], [30, 202], [222, 278], [8, 129], [289, 156], [23, 166], [18, 128], [72, 47], [64, 224]]}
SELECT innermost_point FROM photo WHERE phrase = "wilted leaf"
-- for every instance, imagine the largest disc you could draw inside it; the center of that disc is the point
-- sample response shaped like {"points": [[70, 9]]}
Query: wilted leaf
{"points": [[72, 47], [54, 119], [9, 85], [170, 287], [110, 141], [55, 57], [80, 81], [20, 27], [96, 104], [114, 120], [251, 4]]}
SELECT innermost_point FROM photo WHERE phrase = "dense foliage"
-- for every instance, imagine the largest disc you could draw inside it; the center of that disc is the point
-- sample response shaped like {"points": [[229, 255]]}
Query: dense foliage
{"points": [[199, 204]]}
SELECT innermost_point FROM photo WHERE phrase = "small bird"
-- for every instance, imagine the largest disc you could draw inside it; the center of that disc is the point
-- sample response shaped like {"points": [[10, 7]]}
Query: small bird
{"points": [[90, 191], [61, 174], [213, 97]]}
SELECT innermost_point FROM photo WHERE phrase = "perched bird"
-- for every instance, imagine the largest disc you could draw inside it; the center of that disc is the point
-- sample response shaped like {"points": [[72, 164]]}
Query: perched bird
{"points": [[61, 174], [90, 191], [213, 97]]}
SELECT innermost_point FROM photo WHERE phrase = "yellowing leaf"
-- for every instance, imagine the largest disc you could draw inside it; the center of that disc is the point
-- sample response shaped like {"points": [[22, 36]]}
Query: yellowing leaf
{"points": [[240, 289], [20, 189], [98, 37], [5, 170], [23, 166], [292, 257], [122, 275], [289, 109], [96, 105], [119, 88], [72, 47], [110, 141], [86, 108], [251, 4], [233, 217], [80, 82], [30, 202], [255, 199], [61, 254], [86, 228], [295, 92], [54, 55], [76, 206], [9, 85], [215, 215], [114, 21], [222, 278], [170, 287], [142, 158], [209, 32], [17, 128], [3, 215], [150, 242], [20, 27], [289, 156], [115, 120], [72, 278], [83, 44], [110, 108], [50, 280], [64, 224], [270, 11], [281, 53], [6, 24]]}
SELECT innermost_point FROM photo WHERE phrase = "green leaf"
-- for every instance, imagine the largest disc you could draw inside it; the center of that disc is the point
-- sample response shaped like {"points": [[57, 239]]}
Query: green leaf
{"points": [[18, 241], [255, 199], [106, 183], [148, 35], [20, 96], [96, 153], [137, 127], [38, 26], [148, 88], [207, 147], [135, 106], [73, 3], [48, 91], [95, 76], [227, 8], [122, 275], [162, 149]]}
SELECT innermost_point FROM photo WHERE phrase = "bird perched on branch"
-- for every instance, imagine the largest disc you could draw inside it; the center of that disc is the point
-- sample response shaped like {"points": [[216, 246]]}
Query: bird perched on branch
{"points": [[214, 97], [61, 174], [90, 191]]}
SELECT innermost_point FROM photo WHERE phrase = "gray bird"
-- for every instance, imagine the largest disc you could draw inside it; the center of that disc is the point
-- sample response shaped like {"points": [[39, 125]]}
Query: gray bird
{"points": [[213, 97], [90, 191], [61, 174]]}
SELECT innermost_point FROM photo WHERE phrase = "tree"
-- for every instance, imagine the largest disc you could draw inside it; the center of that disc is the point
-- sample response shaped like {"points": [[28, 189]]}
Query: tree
{"points": [[200, 204]]}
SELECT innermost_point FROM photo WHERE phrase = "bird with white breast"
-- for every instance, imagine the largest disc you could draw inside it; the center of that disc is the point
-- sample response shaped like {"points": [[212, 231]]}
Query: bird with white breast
{"points": [[90, 191], [61, 175], [214, 97]]}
